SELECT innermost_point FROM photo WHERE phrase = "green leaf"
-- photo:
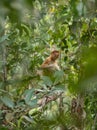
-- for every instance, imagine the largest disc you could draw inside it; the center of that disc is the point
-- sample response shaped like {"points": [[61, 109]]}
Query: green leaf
{"points": [[3, 38], [8, 102], [60, 87], [28, 95], [47, 81], [27, 118], [32, 103], [59, 75], [34, 111]]}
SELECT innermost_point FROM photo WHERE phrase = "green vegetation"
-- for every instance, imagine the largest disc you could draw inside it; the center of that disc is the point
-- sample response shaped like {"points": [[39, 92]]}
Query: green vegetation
{"points": [[29, 30]]}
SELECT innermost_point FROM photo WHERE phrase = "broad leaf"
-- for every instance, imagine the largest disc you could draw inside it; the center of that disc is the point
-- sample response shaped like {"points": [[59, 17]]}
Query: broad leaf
{"points": [[28, 95], [3, 38], [59, 76], [32, 103], [47, 81], [8, 102]]}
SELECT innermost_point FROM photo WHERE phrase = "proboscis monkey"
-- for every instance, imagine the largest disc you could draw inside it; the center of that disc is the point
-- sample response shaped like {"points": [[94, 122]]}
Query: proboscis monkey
{"points": [[50, 62]]}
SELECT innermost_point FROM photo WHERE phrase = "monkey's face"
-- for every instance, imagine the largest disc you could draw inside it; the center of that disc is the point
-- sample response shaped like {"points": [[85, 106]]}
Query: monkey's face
{"points": [[54, 55]]}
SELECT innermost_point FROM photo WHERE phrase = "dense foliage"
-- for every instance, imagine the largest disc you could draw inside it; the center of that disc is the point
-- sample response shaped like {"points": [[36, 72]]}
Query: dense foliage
{"points": [[29, 31]]}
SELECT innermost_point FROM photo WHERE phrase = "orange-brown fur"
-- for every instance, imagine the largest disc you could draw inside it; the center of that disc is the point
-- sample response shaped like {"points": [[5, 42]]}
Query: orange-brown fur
{"points": [[50, 62]]}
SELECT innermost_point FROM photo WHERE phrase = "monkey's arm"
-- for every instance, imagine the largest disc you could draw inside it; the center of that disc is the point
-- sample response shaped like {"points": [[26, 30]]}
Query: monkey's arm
{"points": [[46, 63], [56, 66], [51, 66], [50, 63]]}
